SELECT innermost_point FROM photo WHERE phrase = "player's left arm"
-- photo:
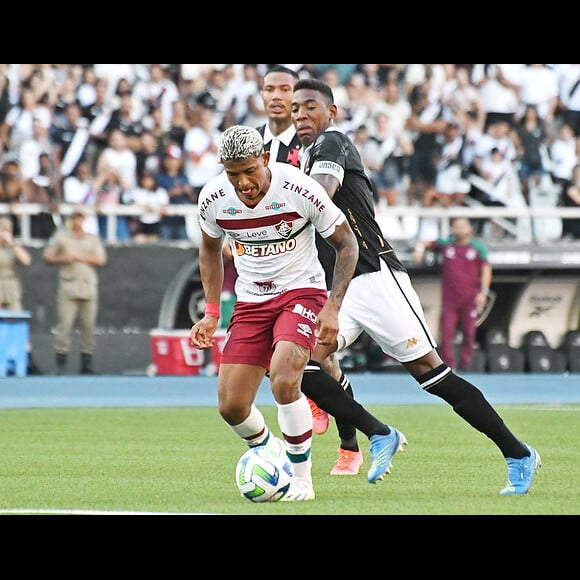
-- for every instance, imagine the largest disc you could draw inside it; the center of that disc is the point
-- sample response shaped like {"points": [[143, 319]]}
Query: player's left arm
{"points": [[344, 242], [329, 182]]}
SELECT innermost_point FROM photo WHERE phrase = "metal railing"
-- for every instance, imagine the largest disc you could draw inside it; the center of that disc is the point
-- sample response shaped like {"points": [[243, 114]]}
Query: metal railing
{"points": [[526, 217]]}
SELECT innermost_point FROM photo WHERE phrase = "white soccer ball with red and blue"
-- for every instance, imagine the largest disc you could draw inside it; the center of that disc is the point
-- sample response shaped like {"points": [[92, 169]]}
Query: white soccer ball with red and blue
{"points": [[263, 473]]}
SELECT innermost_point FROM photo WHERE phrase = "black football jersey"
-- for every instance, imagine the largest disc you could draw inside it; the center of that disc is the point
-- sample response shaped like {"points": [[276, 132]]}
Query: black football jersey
{"points": [[355, 198]]}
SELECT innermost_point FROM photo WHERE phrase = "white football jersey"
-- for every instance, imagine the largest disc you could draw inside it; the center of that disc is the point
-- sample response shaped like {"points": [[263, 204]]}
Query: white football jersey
{"points": [[273, 244]]}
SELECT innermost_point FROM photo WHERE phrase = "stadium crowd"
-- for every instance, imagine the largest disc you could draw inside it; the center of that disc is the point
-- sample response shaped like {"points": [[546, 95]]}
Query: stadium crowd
{"points": [[146, 135]]}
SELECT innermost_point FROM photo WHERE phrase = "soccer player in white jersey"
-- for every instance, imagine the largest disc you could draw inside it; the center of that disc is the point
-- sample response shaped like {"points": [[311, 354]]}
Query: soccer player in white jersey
{"points": [[270, 211]]}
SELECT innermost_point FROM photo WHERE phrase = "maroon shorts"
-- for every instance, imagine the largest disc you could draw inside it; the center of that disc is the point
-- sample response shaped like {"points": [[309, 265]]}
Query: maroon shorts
{"points": [[256, 327]]}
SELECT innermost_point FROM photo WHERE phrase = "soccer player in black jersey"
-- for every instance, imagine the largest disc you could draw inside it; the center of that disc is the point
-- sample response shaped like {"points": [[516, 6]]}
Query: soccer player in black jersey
{"points": [[281, 141], [381, 300]]}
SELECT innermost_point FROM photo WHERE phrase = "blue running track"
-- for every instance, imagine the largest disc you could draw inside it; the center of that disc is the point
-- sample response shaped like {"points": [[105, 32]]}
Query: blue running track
{"points": [[178, 391]]}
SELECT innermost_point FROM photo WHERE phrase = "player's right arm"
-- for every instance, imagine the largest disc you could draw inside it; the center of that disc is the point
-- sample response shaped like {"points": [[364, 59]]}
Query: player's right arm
{"points": [[211, 267], [344, 242]]}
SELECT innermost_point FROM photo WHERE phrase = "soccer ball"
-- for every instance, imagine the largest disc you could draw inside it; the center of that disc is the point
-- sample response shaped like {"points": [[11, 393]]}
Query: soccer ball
{"points": [[263, 473]]}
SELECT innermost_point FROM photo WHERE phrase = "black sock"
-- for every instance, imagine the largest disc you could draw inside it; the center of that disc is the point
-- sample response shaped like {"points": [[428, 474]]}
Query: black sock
{"points": [[346, 431], [330, 396], [470, 404]]}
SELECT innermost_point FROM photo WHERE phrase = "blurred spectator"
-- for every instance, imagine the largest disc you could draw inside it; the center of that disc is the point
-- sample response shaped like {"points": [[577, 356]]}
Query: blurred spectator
{"points": [[369, 150], [530, 137], [13, 257], [396, 106], [119, 156], [571, 198], [427, 124], [127, 118], [450, 183], [331, 77], [498, 86], [19, 121], [256, 115], [11, 182], [70, 136], [395, 149], [497, 171], [153, 123], [152, 200], [568, 76], [77, 189], [87, 90], [98, 116], [417, 75], [110, 190], [66, 96], [361, 101], [563, 155], [201, 145], [157, 91], [172, 178], [113, 73], [247, 87], [472, 129], [179, 124], [391, 72], [44, 188], [32, 147], [221, 96], [538, 87], [4, 94], [462, 97], [498, 135], [345, 71], [371, 75], [148, 154]]}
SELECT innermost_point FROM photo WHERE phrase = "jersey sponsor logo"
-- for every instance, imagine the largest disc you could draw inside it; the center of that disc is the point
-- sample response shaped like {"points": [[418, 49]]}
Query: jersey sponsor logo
{"points": [[202, 208], [304, 329], [267, 287], [306, 193], [231, 211], [275, 205], [260, 234], [265, 250], [327, 165], [304, 312]]}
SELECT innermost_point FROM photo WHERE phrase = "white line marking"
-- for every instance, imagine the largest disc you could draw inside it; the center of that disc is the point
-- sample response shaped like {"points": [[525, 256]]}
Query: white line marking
{"points": [[75, 512]]}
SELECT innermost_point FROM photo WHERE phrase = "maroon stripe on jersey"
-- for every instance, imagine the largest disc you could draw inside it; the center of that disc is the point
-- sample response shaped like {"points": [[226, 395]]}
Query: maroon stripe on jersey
{"points": [[258, 222]]}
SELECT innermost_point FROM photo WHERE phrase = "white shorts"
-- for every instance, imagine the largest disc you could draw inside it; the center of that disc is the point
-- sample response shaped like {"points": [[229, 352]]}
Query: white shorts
{"points": [[386, 306]]}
